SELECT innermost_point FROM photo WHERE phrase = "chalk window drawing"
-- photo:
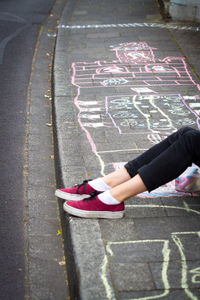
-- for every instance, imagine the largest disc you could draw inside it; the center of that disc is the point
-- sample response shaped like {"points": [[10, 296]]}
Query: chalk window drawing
{"points": [[113, 69]]}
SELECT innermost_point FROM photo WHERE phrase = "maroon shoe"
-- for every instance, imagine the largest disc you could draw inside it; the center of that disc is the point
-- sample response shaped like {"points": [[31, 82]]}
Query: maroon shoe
{"points": [[94, 208], [77, 192]]}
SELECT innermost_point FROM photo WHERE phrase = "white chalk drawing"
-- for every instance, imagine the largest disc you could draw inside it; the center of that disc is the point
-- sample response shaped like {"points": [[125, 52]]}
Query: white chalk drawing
{"points": [[129, 25]]}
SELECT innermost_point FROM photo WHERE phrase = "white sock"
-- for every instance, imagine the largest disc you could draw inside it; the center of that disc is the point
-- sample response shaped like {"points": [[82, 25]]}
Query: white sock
{"points": [[107, 198], [99, 185]]}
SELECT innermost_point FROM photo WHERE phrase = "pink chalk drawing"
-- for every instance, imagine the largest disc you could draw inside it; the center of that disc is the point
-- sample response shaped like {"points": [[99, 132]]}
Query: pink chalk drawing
{"points": [[123, 97], [136, 66], [134, 53]]}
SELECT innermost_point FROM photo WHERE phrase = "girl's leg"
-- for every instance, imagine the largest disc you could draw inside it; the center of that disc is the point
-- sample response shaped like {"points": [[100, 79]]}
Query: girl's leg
{"points": [[117, 177], [173, 161], [134, 165], [163, 168], [128, 189], [131, 168]]}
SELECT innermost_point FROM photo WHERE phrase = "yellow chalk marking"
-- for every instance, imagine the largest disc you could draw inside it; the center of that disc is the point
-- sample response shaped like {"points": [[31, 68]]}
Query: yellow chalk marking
{"points": [[184, 283], [101, 163], [166, 255], [109, 291], [196, 275]]}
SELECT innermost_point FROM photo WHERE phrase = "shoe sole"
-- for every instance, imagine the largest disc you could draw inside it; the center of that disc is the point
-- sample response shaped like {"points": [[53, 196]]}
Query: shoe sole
{"points": [[71, 197], [93, 214]]}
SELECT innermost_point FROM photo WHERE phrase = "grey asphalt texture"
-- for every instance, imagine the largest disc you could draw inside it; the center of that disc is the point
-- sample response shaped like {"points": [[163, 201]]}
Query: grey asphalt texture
{"points": [[123, 80], [31, 252]]}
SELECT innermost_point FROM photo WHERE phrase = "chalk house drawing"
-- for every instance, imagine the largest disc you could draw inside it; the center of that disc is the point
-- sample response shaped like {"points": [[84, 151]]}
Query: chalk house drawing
{"points": [[123, 97]]}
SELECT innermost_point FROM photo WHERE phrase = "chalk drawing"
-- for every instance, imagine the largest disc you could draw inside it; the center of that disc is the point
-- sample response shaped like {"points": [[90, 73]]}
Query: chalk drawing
{"points": [[180, 238], [154, 112], [163, 245], [114, 81], [130, 25], [141, 251], [104, 268], [142, 90], [134, 53], [123, 96], [196, 276], [113, 69], [171, 71], [193, 104]]}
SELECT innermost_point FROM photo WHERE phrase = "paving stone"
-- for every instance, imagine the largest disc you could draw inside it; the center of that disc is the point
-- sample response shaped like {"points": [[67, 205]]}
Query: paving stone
{"points": [[129, 251], [133, 211], [45, 226], [163, 227], [102, 35], [118, 230], [128, 277], [39, 286]]}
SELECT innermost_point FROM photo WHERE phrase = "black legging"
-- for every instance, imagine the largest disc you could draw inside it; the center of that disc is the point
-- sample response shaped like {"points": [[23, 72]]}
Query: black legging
{"points": [[168, 159]]}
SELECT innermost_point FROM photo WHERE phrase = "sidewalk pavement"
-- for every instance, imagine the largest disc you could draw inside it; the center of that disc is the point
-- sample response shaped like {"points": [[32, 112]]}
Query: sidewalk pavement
{"points": [[123, 80]]}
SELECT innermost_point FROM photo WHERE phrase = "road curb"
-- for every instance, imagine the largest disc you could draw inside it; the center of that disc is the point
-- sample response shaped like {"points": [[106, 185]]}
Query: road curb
{"points": [[83, 243]]}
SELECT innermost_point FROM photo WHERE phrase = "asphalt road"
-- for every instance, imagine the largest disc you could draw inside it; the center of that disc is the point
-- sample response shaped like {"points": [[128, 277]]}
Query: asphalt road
{"points": [[19, 27]]}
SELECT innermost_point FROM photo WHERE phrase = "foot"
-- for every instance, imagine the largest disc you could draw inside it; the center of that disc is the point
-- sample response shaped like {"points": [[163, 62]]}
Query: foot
{"points": [[77, 192], [94, 208]]}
